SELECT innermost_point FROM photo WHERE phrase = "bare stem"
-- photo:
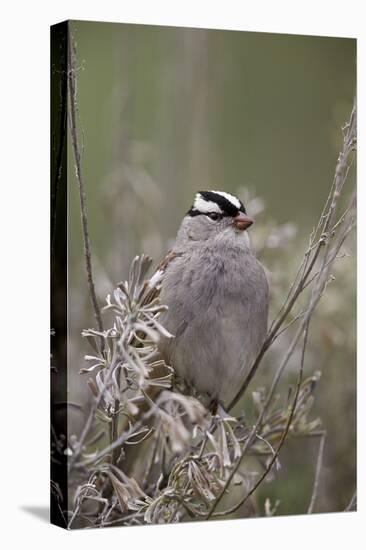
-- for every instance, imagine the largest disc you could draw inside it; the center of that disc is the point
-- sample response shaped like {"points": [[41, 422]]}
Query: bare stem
{"points": [[319, 464], [79, 178]]}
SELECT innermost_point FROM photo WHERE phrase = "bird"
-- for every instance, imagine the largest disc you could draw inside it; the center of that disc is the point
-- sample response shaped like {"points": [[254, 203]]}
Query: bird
{"points": [[216, 293]]}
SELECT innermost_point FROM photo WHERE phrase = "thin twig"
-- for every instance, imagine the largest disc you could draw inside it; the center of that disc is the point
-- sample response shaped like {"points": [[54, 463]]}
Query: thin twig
{"points": [[319, 464], [114, 433], [79, 178], [289, 324]]}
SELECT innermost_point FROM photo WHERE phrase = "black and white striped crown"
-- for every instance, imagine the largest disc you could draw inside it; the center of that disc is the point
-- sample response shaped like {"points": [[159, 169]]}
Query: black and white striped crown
{"points": [[219, 202]]}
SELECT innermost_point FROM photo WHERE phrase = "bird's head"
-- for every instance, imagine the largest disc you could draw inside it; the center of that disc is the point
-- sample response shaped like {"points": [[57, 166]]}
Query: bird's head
{"points": [[216, 215]]}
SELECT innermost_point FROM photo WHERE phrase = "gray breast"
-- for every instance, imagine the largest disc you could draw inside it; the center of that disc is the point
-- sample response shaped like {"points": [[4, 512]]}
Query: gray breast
{"points": [[218, 313]]}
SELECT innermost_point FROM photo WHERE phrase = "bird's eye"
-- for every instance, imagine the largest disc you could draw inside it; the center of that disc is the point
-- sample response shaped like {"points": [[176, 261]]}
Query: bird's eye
{"points": [[214, 216]]}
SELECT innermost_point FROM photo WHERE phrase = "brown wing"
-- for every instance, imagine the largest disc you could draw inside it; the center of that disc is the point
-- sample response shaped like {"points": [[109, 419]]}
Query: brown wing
{"points": [[159, 275]]}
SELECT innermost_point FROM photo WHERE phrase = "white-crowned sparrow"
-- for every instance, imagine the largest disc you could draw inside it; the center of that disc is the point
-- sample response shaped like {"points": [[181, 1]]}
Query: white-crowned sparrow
{"points": [[217, 295]]}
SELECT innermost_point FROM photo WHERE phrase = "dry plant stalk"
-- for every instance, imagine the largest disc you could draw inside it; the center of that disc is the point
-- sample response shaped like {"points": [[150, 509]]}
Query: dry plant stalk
{"points": [[191, 458], [71, 79]]}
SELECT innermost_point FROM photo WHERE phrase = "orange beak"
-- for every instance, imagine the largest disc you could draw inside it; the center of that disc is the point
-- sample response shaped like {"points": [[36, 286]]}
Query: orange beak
{"points": [[242, 221]]}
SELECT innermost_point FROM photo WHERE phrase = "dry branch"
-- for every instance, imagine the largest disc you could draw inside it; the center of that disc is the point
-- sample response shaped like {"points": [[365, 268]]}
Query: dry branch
{"points": [[79, 178]]}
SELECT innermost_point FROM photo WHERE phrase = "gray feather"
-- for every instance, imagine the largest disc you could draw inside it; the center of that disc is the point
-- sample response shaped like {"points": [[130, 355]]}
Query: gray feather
{"points": [[217, 294]]}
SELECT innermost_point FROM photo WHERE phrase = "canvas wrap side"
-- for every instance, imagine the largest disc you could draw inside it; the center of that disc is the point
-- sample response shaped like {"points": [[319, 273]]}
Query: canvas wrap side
{"points": [[58, 255]]}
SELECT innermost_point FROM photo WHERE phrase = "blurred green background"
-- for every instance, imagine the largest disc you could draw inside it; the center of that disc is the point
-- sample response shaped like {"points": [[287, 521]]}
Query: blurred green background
{"points": [[165, 112]]}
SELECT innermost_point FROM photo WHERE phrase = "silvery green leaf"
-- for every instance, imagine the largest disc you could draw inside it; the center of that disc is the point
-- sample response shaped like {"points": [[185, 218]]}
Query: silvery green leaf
{"points": [[93, 358], [151, 333], [103, 417], [145, 435], [160, 328], [90, 369]]}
